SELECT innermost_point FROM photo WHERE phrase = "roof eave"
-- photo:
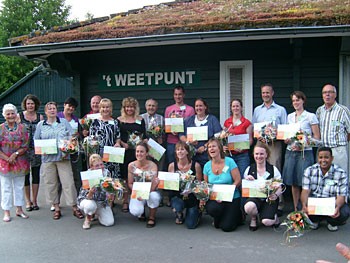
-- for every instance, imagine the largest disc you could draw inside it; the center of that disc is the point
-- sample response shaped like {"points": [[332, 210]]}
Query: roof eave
{"points": [[172, 39]]}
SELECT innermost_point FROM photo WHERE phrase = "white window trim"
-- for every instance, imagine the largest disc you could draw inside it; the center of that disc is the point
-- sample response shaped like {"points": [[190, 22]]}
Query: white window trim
{"points": [[247, 96]]}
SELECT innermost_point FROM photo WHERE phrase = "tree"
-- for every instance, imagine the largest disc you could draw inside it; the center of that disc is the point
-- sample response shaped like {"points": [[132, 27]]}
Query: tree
{"points": [[21, 17]]}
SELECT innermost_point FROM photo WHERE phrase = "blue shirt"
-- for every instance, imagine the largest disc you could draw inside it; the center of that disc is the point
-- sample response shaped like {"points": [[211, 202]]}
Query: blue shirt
{"points": [[275, 113], [225, 177]]}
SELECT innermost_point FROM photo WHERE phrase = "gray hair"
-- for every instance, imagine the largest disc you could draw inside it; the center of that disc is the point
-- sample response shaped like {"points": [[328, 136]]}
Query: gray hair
{"points": [[8, 107]]}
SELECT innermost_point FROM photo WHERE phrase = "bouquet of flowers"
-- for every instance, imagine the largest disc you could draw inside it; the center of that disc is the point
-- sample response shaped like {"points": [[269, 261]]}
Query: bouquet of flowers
{"points": [[69, 146], [268, 132], [303, 139], [133, 139], [85, 123], [192, 149], [272, 187], [155, 130], [297, 223], [201, 190], [91, 145], [222, 136], [186, 180], [112, 186]]}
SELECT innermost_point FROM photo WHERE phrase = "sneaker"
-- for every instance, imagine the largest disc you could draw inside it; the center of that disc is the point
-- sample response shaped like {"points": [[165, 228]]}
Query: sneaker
{"points": [[87, 224], [314, 226], [332, 228]]}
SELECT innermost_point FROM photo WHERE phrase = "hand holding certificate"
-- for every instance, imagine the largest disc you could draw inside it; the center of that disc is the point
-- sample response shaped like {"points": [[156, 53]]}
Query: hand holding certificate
{"points": [[155, 149], [141, 190], [91, 178], [174, 125], [222, 192], [168, 181], [197, 133], [113, 154], [321, 206], [48, 146]]}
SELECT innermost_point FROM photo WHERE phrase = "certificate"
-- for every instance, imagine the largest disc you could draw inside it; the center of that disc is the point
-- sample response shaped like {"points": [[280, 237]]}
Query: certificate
{"points": [[91, 178], [286, 131], [257, 128], [93, 116], [240, 141], [48, 146], [222, 192], [168, 181], [197, 133], [321, 206], [174, 125], [113, 154], [253, 188], [141, 190], [155, 149]]}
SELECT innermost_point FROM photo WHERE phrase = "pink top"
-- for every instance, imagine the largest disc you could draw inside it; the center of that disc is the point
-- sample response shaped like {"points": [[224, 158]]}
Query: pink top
{"points": [[184, 111]]}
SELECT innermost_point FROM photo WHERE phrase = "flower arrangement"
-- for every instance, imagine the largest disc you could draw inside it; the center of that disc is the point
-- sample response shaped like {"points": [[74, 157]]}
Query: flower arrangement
{"points": [[297, 222], [112, 186], [223, 137], [186, 180], [133, 139], [91, 145], [272, 187], [69, 146], [155, 130], [85, 123], [268, 132], [201, 190], [303, 139]]}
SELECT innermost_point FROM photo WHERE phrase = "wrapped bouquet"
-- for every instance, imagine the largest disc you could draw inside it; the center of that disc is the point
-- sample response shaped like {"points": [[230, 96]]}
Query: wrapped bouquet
{"points": [[186, 180], [201, 190], [273, 186], [154, 130], [112, 186], [297, 223], [133, 139], [268, 132], [69, 146], [85, 123]]}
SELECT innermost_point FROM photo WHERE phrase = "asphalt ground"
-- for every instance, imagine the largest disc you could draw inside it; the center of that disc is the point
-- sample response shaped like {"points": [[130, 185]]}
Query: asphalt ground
{"points": [[42, 239]]}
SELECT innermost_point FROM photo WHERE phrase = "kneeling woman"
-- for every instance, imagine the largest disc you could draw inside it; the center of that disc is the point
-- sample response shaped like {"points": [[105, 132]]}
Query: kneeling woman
{"points": [[184, 164], [223, 170], [95, 201], [262, 170], [143, 170]]}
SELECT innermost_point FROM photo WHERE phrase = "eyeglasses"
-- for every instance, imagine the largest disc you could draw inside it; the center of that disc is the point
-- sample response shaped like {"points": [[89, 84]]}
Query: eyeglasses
{"points": [[328, 92]]}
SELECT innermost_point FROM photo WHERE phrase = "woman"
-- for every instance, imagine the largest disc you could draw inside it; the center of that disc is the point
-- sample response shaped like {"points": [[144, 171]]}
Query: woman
{"points": [[143, 170], [262, 170], [30, 118], [14, 164], [202, 118], [132, 130], [106, 130], [235, 125], [183, 164], [57, 167], [297, 159], [223, 170], [94, 201]]}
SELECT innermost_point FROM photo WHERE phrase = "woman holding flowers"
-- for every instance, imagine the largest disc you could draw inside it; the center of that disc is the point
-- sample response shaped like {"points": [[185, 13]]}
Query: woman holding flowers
{"points": [[94, 201], [133, 131], [235, 125], [106, 131], [262, 171], [57, 167], [189, 170], [299, 154], [144, 170], [222, 170], [30, 118], [14, 164], [201, 118]]}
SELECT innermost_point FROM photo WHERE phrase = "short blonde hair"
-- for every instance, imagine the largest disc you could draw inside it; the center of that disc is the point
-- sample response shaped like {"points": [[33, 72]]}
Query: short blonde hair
{"points": [[130, 101], [8, 107], [94, 158], [108, 102]]}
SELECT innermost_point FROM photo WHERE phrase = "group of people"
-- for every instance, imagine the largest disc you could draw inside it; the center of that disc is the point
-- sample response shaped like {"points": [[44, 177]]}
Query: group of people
{"points": [[206, 160]]}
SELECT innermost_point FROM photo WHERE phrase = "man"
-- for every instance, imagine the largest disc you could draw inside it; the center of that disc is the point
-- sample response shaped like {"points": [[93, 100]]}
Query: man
{"points": [[334, 121], [325, 179], [179, 109], [154, 121]]}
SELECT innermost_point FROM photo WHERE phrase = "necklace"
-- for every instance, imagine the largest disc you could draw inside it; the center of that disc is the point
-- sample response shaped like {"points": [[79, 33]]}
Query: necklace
{"points": [[11, 129]]}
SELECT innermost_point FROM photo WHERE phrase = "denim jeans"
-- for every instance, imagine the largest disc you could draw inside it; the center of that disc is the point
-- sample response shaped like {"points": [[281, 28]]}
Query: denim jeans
{"points": [[193, 214], [243, 161], [170, 152]]}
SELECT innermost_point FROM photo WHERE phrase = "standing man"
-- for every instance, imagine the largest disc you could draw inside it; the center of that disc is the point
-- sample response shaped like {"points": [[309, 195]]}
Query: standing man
{"points": [[179, 109], [334, 121], [325, 179], [153, 121], [271, 112]]}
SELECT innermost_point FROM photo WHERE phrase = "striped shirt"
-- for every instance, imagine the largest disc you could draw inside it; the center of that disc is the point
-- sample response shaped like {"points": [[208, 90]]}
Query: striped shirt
{"points": [[334, 125], [334, 183]]}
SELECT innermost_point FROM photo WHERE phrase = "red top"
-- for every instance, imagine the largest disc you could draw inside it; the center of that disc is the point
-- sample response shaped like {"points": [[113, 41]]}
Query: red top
{"points": [[237, 128]]}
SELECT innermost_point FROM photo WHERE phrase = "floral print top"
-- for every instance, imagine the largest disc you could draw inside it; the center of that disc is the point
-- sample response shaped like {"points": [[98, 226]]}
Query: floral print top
{"points": [[10, 142]]}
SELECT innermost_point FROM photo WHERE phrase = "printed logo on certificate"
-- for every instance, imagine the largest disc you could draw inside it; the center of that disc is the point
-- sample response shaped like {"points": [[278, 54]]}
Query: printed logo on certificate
{"points": [[257, 128], [155, 149], [197, 133], [222, 192], [321, 206], [48, 146], [168, 181], [240, 141], [253, 188], [141, 190], [174, 125], [91, 178], [93, 116], [286, 131], [113, 154]]}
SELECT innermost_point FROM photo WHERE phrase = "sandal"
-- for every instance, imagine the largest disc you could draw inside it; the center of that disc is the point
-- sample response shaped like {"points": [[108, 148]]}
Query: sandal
{"points": [[179, 220], [125, 208], [151, 223], [6, 218], [142, 218], [22, 215], [253, 225], [35, 207], [78, 214], [56, 215]]}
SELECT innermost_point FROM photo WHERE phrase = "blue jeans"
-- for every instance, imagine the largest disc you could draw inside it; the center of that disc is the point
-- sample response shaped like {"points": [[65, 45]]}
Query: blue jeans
{"points": [[170, 152], [193, 214], [243, 161]]}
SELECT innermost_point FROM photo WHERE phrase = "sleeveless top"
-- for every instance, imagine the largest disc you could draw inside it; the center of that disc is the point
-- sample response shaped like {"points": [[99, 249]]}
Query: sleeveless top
{"points": [[253, 171], [193, 167]]}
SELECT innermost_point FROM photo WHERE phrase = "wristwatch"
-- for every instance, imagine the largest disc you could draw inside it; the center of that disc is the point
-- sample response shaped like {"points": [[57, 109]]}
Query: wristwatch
{"points": [[17, 153]]}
